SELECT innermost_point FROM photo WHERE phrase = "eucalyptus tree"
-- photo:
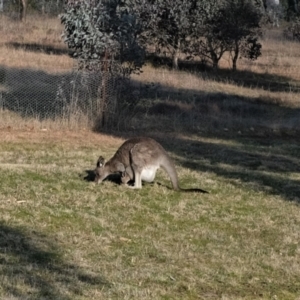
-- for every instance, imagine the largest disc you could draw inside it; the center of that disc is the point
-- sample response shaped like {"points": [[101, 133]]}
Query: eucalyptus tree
{"points": [[227, 26], [239, 24], [99, 32], [168, 25], [208, 42], [103, 37], [292, 9], [293, 5]]}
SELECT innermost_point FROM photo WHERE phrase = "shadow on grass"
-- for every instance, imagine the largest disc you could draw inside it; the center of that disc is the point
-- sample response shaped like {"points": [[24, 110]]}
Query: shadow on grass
{"points": [[264, 81], [90, 176], [34, 47], [56, 96], [31, 268], [37, 94], [266, 165], [33, 93]]}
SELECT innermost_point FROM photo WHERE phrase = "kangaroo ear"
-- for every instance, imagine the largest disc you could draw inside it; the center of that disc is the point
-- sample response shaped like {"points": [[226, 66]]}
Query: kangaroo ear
{"points": [[101, 162]]}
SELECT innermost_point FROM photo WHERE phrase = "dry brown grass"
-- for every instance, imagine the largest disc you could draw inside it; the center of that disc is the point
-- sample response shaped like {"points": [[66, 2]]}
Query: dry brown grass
{"points": [[33, 44], [222, 100]]}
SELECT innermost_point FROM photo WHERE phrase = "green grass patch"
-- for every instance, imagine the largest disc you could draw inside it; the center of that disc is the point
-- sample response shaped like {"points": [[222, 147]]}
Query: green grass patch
{"points": [[62, 237]]}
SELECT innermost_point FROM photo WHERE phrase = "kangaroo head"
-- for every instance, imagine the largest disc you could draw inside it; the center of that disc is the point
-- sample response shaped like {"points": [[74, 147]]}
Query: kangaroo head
{"points": [[103, 168], [101, 172]]}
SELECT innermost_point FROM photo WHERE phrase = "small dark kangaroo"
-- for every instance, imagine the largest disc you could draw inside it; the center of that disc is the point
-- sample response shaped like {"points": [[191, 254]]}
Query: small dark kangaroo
{"points": [[138, 159]]}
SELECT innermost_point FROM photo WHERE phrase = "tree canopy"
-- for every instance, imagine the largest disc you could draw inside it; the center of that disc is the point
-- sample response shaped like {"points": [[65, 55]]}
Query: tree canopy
{"points": [[123, 30], [107, 30], [170, 26]]}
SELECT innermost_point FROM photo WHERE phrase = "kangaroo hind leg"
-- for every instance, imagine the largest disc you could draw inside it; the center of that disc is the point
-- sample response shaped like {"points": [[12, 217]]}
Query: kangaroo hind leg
{"points": [[137, 164]]}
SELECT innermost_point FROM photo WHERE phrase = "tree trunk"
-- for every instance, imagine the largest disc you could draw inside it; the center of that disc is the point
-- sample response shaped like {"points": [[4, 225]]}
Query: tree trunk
{"points": [[215, 64], [175, 60], [23, 9], [234, 60], [235, 56], [1, 5], [296, 6], [43, 7], [213, 55], [176, 56]]}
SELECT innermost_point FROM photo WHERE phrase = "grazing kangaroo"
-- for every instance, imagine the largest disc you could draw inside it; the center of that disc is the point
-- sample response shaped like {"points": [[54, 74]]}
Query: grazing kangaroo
{"points": [[138, 159]]}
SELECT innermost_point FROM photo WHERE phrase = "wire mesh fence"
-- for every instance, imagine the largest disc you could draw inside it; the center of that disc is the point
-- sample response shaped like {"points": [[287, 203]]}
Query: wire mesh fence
{"points": [[105, 100], [93, 97]]}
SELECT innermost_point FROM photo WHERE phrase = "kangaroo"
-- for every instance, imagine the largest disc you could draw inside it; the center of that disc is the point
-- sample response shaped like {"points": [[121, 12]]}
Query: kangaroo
{"points": [[138, 159]]}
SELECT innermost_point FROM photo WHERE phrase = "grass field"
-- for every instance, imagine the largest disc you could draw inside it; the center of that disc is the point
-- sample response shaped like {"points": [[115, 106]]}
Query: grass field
{"points": [[234, 135], [63, 237]]}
